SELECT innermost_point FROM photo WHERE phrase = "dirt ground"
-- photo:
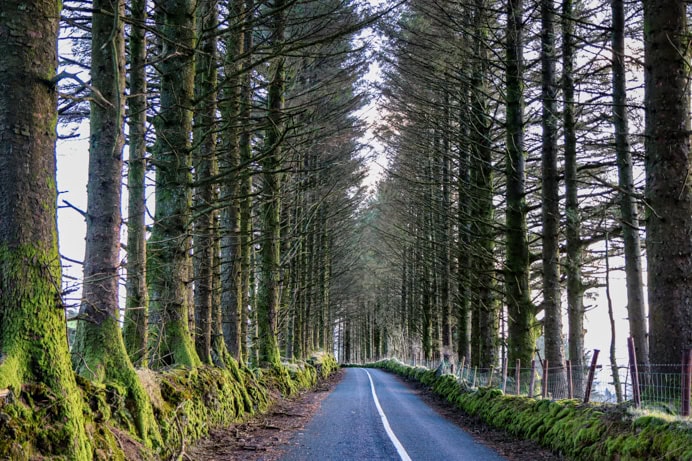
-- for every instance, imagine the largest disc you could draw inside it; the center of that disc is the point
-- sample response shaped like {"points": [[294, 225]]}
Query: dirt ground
{"points": [[266, 437]]}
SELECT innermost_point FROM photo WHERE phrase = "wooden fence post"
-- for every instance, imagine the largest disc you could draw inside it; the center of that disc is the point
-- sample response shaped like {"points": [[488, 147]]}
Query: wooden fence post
{"points": [[532, 380], [517, 377], [544, 390], [634, 373], [504, 376], [592, 372], [570, 393], [686, 381]]}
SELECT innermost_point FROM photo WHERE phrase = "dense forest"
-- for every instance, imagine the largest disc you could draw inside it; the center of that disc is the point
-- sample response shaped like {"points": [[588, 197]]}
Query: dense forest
{"points": [[531, 149]]}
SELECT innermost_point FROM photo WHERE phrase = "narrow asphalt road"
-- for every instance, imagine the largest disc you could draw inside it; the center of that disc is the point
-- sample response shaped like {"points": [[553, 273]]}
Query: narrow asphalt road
{"points": [[372, 415]]}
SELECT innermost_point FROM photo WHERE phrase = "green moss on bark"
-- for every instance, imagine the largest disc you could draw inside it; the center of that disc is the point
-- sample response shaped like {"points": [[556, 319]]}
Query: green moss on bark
{"points": [[99, 355], [34, 360]]}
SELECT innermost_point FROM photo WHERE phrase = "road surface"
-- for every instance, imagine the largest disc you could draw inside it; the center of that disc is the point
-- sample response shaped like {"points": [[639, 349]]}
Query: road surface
{"points": [[372, 415]]}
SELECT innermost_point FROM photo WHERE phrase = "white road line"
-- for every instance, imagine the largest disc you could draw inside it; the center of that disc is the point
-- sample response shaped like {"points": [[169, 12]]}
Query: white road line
{"points": [[399, 447]]}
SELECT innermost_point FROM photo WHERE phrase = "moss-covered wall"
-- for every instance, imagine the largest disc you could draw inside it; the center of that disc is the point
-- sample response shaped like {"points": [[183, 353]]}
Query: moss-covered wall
{"points": [[577, 431], [187, 404]]}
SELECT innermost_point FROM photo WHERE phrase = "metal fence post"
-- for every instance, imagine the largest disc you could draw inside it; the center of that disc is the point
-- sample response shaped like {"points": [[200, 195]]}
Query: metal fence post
{"points": [[686, 381], [592, 372], [634, 372]]}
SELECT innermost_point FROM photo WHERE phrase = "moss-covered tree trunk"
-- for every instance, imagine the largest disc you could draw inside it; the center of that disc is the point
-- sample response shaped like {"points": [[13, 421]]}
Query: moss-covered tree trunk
{"points": [[668, 179], [169, 245], [521, 312], [552, 324], [270, 208], [137, 297], [33, 342], [205, 168], [99, 351]]}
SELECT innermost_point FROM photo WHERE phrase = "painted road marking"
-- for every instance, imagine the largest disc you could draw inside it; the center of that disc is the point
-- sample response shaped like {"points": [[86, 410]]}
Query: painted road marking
{"points": [[388, 429]]}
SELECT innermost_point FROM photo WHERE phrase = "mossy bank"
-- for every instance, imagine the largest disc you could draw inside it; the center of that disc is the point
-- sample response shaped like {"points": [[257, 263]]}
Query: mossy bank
{"points": [[187, 404], [575, 430]]}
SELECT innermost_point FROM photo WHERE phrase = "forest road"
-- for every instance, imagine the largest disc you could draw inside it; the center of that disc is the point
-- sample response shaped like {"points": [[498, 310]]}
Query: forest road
{"points": [[372, 415]]}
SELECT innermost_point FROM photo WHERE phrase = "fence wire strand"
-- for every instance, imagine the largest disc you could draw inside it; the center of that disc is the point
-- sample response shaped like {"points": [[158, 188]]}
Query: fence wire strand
{"points": [[660, 385]]}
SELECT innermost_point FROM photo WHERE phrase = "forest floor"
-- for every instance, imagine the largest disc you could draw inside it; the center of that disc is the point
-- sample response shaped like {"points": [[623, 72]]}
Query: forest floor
{"points": [[266, 437]]}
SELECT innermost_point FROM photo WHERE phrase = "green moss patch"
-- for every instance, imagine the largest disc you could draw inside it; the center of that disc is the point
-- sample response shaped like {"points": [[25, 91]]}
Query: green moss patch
{"points": [[575, 430], [186, 403]]}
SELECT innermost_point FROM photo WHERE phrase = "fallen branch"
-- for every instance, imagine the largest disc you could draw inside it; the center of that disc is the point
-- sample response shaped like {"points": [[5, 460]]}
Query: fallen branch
{"points": [[181, 455]]}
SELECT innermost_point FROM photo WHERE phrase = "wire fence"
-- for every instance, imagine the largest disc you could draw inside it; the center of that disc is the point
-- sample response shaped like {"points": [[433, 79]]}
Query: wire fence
{"points": [[658, 387]]}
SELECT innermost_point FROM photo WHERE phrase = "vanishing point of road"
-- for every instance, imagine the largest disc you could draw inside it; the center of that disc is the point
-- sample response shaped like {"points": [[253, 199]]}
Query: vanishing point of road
{"points": [[372, 415]]}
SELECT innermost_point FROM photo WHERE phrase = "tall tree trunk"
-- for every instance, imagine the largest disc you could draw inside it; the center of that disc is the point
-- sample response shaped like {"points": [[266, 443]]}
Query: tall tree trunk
{"points": [[444, 231], [323, 281], [629, 214], [575, 288], [522, 329], [33, 343], [99, 351], [463, 303], [270, 208], [205, 168], [137, 298], [483, 211], [231, 292], [169, 245], [426, 291], [310, 287], [611, 317], [246, 176], [668, 179], [299, 274], [552, 324]]}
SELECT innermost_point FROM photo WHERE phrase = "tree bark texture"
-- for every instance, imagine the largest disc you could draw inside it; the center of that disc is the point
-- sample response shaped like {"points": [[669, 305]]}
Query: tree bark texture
{"points": [[245, 179], [99, 352], [574, 257], [135, 326], [522, 328], [629, 213], [552, 324], [483, 212], [270, 208], [33, 342], [463, 295], [668, 179], [205, 167], [169, 245], [231, 291]]}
